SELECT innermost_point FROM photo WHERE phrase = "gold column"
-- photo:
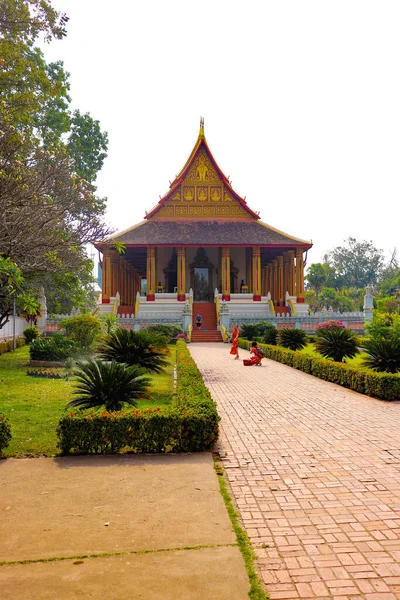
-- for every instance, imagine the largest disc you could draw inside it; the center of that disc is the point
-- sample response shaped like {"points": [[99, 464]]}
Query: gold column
{"points": [[291, 273], [249, 279], [274, 291], [114, 279], [267, 279], [106, 277], [256, 272], [280, 281], [286, 273], [299, 275], [181, 274], [226, 274], [151, 273]]}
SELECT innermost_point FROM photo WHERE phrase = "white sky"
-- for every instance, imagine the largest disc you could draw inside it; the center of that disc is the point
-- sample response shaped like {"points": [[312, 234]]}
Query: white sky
{"points": [[301, 101]]}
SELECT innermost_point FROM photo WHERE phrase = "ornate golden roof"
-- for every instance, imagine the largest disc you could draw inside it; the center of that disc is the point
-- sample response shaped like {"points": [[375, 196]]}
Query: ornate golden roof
{"points": [[201, 191]]}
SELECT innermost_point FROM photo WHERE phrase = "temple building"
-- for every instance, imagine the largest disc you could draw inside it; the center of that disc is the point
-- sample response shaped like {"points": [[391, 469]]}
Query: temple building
{"points": [[202, 240]]}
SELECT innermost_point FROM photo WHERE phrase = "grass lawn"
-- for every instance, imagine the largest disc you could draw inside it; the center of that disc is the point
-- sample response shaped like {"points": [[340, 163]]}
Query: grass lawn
{"points": [[34, 404]]}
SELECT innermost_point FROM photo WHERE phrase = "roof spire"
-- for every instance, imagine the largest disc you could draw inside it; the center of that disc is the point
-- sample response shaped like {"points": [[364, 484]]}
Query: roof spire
{"points": [[201, 132]]}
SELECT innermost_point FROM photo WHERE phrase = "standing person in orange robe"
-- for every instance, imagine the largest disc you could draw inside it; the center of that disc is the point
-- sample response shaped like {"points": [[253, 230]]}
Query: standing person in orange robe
{"points": [[235, 341]]}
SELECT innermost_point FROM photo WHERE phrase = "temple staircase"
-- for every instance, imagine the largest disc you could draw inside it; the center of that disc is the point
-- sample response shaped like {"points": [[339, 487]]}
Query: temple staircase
{"points": [[208, 331]]}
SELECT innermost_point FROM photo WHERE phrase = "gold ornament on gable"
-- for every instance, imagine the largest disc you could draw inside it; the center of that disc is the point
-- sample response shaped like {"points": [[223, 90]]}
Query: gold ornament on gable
{"points": [[202, 194], [188, 193], [215, 194], [202, 169], [177, 196]]}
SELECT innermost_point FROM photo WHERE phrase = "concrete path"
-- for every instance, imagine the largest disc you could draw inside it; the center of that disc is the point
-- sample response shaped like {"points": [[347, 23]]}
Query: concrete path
{"points": [[116, 528], [315, 471]]}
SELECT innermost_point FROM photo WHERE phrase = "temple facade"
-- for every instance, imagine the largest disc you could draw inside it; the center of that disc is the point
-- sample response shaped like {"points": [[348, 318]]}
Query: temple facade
{"points": [[202, 237]]}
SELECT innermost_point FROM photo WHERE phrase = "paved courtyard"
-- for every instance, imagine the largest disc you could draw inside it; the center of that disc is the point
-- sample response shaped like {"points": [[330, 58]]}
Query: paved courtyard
{"points": [[315, 471]]}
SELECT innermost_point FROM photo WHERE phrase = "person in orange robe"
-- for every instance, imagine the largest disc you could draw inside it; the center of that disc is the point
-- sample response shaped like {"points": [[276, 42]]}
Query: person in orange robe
{"points": [[254, 356], [235, 341]]}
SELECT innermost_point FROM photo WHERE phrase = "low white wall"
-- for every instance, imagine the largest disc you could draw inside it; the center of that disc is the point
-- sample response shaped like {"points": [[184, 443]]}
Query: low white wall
{"points": [[6, 332]]}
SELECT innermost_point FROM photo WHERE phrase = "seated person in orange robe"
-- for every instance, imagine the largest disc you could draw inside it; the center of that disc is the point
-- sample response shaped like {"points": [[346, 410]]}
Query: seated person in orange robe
{"points": [[254, 356]]}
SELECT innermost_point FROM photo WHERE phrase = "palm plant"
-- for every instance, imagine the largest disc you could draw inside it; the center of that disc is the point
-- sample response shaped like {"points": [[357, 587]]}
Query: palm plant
{"points": [[108, 384], [134, 348], [295, 339], [336, 343], [250, 331], [383, 354]]}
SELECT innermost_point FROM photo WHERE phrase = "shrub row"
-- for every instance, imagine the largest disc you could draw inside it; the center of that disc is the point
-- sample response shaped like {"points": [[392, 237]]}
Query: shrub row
{"points": [[5, 432], [383, 386], [8, 346], [189, 424]]}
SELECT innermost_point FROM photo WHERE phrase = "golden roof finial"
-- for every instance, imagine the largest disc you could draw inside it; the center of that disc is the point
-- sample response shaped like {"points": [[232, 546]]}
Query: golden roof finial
{"points": [[201, 133]]}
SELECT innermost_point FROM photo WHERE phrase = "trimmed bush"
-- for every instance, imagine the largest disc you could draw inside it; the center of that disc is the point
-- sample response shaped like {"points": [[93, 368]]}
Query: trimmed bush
{"points": [[294, 339], [5, 432], [82, 329], [31, 333], [384, 386], [57, 348], [189, 424]]}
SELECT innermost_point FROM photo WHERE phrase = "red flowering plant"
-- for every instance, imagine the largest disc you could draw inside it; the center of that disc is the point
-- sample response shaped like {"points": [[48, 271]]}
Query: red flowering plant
{"points": [[332, 324]]}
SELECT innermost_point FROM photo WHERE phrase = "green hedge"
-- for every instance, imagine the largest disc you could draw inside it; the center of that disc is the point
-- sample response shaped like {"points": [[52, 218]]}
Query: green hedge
{"points": [[5, 432], [189, 424], [57, 348], [8, 346], [384, 386]]}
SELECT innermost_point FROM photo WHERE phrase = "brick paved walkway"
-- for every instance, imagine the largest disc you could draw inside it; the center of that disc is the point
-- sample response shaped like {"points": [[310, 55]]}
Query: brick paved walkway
{"points": [[315, 471]]}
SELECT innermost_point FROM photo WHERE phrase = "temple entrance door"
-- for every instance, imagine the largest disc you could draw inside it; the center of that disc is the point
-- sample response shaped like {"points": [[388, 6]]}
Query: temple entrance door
{"points": [[201, 285]]}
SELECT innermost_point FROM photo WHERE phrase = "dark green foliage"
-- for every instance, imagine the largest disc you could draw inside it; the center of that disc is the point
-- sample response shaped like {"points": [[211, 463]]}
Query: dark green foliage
{"points": [[108, 384], [135, 348], [52, 349], [190, 424], [250, 331], [31, 333], [294, 339], [5, 432], [82, 329], [377, 385], [336, 343], [168, 331], [383, 354], [261, 332], [268, 332]]}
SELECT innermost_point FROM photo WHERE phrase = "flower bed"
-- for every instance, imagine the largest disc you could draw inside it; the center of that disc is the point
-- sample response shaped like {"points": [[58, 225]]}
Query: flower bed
{"points": [[189, 424], [383, 386], [49, 373]]}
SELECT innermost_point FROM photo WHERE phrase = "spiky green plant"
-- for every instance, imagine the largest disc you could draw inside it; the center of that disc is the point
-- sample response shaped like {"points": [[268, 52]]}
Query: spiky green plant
{"points": [[295, 339], [383, 354], [336, 343], [108, 384], [134, 348], [250, 331]]}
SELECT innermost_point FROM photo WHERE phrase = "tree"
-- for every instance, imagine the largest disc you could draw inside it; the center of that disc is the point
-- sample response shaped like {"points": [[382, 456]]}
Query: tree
{"points": [[46, 211], [316, 277], [357, 263], [49, 157]]}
